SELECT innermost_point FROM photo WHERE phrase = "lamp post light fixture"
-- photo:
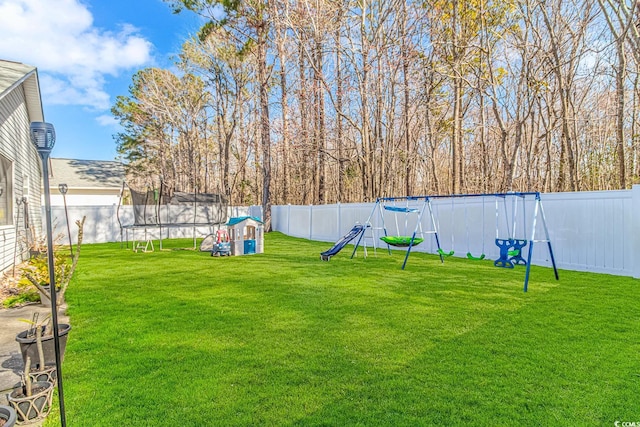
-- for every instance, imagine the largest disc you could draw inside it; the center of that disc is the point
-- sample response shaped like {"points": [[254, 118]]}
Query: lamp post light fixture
{"points": [[43, 136], [63, 188]]}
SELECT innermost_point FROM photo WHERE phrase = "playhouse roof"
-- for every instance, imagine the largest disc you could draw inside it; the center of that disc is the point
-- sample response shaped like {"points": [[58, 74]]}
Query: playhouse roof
{"points": [[239, 219]]}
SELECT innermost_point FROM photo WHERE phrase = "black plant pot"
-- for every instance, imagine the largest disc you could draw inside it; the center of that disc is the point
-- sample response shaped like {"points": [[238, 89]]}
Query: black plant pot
{"points": [[8, 414], [28, 346]]}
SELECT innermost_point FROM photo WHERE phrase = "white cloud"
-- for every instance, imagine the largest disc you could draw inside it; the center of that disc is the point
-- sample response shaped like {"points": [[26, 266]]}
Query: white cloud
{"points": [[108, 121], [73, 57]]}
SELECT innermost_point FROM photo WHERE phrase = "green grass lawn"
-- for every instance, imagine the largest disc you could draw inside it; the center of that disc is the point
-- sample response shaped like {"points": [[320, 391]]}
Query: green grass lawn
{"points": [[283, 339]]}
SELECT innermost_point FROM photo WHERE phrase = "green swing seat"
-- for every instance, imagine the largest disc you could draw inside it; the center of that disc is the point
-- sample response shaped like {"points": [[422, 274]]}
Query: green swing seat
{"points": [[442, 253], [401, 241]]}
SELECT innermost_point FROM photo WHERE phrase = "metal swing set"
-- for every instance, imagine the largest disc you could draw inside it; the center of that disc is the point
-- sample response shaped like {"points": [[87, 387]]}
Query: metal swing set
{"points": [[411, 210]]}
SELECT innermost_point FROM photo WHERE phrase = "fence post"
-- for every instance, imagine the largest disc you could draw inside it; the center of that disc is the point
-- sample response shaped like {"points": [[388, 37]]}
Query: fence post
{"points": [[339, 222], [114, 231], [635, 230], [310, 222]]}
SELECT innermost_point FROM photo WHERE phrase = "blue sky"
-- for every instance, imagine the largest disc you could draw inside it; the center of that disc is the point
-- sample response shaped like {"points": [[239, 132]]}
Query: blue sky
{"points": [[86, 52]]}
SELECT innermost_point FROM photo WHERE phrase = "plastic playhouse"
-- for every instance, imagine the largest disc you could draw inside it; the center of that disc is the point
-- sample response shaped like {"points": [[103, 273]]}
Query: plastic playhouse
{"points": [[246, 235]]}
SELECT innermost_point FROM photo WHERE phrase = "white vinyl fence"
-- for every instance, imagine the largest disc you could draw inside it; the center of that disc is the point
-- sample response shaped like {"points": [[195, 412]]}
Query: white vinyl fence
{"points": [[101, 224], [589, 231]]}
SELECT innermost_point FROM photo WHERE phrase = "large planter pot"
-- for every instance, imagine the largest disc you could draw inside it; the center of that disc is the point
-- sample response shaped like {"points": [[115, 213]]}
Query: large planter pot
{"points": [[44, 298], [46, 374], [34, 407], [29, 348], [8, 416]]}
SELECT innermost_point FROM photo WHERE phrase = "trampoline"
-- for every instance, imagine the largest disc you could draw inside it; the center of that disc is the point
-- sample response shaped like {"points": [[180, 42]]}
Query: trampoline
{"points": [[156, 212]]}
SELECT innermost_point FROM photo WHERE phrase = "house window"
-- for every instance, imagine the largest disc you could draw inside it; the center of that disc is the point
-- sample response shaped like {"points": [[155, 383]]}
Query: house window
{"points": [[6, 191]]}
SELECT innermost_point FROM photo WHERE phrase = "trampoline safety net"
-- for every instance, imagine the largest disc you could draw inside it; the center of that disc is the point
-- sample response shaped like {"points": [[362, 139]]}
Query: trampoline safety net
{"points": [[153, 208]]}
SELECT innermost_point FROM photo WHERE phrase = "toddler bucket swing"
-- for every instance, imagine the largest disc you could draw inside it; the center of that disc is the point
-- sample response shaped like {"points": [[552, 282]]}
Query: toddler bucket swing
{"points": [[518, 244], [510, 248]]}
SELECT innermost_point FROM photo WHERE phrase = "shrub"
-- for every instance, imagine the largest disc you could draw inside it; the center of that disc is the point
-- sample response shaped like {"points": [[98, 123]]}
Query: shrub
{"points": [[21, 286], [37, 270], [24, 297]]}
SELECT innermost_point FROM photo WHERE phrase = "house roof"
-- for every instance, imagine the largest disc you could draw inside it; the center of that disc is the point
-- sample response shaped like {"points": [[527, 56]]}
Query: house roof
{"points": [[87, 174], [12, 75], [238, 219]]}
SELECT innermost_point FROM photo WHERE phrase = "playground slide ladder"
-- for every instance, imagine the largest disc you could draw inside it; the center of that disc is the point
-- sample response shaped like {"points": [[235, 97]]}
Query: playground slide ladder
{"points": [[369, 236]]}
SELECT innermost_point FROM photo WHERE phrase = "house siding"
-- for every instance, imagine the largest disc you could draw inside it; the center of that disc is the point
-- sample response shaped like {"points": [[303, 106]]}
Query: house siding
{"points": [[15, 145]]}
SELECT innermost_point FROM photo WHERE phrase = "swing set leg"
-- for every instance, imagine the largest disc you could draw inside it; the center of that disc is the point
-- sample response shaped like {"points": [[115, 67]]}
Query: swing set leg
{"points": [[406, 257], [440, 252], [526, 275]]}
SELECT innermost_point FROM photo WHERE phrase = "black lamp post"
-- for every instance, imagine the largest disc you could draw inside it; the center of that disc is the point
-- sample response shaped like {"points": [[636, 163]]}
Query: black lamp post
{"points": [[63, 188], [43, 136]]}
